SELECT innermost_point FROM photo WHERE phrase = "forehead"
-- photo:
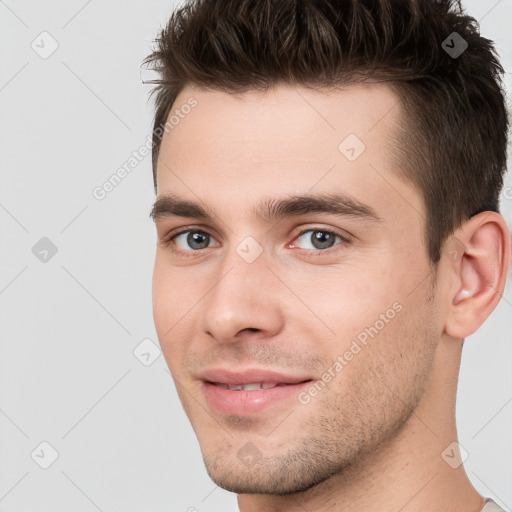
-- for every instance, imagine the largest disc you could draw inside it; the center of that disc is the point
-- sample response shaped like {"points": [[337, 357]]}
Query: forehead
{"points": [[284, 117], [287, 140]]}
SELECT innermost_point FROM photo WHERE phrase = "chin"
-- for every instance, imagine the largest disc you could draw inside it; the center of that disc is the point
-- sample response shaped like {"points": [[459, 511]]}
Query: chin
{"points": [[278, 477]]}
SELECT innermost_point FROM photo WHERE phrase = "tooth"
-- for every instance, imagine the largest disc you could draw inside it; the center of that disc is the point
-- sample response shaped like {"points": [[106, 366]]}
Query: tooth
{"points": [[251, 387]]}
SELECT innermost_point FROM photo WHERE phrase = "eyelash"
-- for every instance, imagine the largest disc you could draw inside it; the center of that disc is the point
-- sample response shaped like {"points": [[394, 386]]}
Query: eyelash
{"points": [[169, 241]]}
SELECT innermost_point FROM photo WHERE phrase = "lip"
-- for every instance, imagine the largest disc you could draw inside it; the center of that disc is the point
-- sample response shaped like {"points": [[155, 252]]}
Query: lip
{"points": [[231, 378], [241, 402]]}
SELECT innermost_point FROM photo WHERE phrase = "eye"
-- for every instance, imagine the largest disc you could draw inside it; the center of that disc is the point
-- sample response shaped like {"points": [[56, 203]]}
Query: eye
{"points": [[318, 239], [191, 239]]}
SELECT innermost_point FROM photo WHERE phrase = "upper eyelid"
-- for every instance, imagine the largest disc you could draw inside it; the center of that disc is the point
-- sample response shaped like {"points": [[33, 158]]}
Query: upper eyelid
{"points": [[172, 234], [186, 229], [160, 224]]}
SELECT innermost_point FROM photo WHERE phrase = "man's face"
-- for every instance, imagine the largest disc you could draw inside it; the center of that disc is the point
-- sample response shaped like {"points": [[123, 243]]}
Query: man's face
{"points": [[246, 296]]}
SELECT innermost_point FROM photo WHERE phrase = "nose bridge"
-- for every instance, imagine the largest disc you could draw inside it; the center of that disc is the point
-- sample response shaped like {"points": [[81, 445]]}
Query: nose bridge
{"points": [[242, 296]]}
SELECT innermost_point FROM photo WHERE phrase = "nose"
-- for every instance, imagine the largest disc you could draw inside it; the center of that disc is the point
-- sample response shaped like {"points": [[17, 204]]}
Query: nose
{"points": [[245, 298]]}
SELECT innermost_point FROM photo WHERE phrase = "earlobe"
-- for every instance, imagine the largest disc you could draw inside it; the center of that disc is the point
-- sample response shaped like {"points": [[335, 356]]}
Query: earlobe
{"points": [[479, 275]]}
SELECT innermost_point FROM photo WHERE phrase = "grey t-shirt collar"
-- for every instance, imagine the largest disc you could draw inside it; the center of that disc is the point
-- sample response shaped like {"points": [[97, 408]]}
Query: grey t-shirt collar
{"points": [[491, 506]]}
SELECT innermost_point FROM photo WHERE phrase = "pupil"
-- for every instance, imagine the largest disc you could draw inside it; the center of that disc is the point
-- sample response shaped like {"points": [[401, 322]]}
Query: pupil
{"points": [[321, 239], [197, 240]]}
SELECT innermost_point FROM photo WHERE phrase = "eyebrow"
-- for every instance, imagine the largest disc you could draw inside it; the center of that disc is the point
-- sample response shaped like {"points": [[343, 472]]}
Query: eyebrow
{"points": [[269, 210]]}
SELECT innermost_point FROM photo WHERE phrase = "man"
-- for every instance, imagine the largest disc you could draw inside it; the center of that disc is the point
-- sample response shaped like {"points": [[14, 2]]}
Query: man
{"points": [[327, 176]]}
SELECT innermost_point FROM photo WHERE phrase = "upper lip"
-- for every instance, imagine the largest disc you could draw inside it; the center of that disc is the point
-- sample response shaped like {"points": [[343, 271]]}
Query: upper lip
{"points": [[250, 376]]}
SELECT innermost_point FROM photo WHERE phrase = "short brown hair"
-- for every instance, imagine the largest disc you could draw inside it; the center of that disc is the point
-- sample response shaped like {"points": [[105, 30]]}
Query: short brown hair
{"points": [[452, 143]]}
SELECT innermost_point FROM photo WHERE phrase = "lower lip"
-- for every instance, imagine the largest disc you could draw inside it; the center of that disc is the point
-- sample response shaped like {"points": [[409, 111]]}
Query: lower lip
{"points": [[243, 402]]}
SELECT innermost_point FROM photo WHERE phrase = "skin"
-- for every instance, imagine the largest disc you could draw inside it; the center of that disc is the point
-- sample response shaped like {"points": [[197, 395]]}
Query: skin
{"points": [[372, 439]]}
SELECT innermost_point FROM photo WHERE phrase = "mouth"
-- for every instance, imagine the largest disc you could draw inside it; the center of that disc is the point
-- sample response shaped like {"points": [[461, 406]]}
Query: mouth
{"points": [[254, 386], [250, 391]]}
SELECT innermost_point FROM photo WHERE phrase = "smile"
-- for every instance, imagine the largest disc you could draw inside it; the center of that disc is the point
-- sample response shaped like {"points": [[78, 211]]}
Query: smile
{"points": [[250, 387]]}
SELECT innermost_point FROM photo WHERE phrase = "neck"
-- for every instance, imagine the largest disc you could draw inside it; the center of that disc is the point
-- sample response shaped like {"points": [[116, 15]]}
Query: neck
{"points": [[407, 473]]}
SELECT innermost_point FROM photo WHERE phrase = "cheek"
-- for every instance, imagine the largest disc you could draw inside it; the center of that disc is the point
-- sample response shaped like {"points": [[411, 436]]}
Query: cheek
{"points": [[386, 364], [169, 309], [349, 298], [172, 288], [162, 297]]}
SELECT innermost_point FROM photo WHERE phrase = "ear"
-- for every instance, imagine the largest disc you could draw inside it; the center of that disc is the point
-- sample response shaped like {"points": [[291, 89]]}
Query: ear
{"points": [[478, 257]]}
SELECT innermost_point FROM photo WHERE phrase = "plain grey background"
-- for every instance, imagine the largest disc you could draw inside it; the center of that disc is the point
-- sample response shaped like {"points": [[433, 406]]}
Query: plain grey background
{"points": [[72, 319]]}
